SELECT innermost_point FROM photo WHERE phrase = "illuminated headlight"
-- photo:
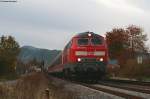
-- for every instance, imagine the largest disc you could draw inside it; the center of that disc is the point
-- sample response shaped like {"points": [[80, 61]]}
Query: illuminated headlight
{"points": [[99, 53], [89, 34], [78, 53], [101, 59], [79, 59]]}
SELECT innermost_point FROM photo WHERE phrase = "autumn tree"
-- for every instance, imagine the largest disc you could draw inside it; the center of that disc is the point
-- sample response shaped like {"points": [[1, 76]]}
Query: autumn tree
{"points": [[9, 49], [117, 42], [137, 39], [123, 43]]}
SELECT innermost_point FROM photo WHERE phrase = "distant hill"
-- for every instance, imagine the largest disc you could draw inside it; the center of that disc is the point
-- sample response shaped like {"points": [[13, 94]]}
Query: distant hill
{"points": [[29, 53]]}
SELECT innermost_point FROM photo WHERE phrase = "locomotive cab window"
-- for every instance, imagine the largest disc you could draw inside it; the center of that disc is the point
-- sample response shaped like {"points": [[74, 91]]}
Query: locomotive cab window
{"points": [[83, 41], [96, 41]]}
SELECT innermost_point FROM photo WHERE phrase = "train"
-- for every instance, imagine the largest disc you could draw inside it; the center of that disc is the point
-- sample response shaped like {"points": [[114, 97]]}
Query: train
{"points": [[85, 56]]}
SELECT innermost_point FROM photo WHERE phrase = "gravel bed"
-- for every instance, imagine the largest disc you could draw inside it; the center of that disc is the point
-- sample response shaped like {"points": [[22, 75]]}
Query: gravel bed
{"points": [[82, 92], [146, 96]]}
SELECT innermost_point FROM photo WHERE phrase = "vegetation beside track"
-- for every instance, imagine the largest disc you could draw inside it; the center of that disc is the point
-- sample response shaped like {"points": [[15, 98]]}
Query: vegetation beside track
{"points": [[33, 86], [134, 70]]}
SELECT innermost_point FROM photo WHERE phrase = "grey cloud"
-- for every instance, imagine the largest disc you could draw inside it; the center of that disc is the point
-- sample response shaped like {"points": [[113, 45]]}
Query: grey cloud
{"points": [[51, 23], [144, 4]]}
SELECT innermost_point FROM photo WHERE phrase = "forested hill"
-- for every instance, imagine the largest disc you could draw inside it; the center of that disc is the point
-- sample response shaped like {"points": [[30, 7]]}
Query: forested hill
{"points": [[28, 53]]}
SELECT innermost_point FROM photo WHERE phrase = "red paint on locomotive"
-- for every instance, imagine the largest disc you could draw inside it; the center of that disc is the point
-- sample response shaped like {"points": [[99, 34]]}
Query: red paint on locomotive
{"points": [[84, 48]]}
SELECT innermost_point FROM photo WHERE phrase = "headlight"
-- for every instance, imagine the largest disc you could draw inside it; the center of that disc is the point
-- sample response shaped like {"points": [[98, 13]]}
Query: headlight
{"points": [[99, 53], [101, 59], [79, 59], [78, 53], [89, 34]]}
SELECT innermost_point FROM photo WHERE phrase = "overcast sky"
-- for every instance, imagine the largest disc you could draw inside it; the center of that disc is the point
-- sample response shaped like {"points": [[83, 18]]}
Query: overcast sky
{"points": [[51, 23]]}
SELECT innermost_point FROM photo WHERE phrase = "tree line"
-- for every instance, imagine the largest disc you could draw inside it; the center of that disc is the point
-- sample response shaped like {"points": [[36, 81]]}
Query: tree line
{"points": [[9, 50], [126, 45]]}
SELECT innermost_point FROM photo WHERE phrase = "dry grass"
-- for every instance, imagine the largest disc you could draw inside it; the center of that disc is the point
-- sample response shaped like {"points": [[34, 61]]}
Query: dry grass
{"points": [[27, 87], [33, 86], [59, 92], [6, 91]]}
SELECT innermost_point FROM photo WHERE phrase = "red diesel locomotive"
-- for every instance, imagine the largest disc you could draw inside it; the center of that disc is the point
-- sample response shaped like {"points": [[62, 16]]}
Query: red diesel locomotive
{"points": [[86, 55]]}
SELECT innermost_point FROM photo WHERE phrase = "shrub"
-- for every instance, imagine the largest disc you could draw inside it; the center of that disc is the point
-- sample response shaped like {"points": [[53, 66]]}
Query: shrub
{"points": [[134, 70]]}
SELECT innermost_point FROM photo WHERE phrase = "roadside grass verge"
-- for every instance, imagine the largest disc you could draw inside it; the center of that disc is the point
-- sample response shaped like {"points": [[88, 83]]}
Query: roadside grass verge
{"points": [[58, 91], [33, 86]]}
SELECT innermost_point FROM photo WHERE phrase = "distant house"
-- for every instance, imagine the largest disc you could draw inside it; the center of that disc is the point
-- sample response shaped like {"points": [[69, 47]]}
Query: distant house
{"points": [[142, 56]]}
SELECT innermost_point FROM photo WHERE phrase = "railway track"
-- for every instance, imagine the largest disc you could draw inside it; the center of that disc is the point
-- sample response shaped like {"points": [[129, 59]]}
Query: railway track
{"points": [[124, 90], [133, 82], [137, 86], [116, 93]]}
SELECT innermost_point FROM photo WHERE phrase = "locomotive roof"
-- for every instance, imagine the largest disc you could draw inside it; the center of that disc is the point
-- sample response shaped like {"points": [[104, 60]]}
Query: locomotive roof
{"points": [[85, 34]]}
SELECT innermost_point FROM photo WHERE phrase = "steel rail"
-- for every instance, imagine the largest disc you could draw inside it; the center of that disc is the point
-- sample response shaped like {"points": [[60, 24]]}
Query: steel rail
{"points": [[116, 93], [121, 86]]}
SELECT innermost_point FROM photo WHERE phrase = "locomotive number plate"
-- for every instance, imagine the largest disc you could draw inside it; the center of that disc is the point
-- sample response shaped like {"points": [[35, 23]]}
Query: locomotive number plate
{"points": [[90, 53]]}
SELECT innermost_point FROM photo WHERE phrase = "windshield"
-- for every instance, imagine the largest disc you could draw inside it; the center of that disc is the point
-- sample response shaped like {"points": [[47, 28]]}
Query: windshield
{"points": [[83, 41], [96, 41]]}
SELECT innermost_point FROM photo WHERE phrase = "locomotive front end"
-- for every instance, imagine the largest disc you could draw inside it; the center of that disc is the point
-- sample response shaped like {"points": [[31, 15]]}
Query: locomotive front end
{"points": [[88, 55]]}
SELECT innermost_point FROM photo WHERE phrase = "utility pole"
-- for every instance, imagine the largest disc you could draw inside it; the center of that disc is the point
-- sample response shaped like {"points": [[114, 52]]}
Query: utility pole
{"points": [[131, 43]]}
